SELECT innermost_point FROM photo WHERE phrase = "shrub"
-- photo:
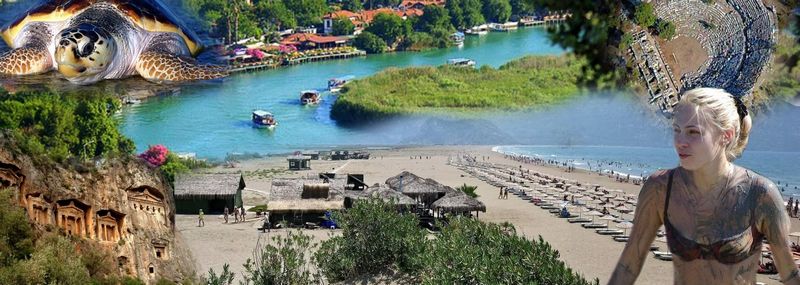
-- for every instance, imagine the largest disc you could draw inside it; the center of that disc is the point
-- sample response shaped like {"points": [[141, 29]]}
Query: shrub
{"points": [[283, 263], [370, 43], [224, 278], [472, 252], [374, 237], [156, 155], [55, 126], [16, 237], [469, 190]]}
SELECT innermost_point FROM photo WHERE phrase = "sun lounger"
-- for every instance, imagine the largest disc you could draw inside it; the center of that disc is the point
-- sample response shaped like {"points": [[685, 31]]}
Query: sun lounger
{"points": [[550, 207], [622, 238], [594, 226], [663, 255], [653, 247], [579, 220], [554, 211], [609, 232]]}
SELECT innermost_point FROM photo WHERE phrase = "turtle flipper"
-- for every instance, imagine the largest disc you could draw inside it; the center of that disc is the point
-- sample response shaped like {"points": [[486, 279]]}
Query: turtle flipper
{"points": [[158, 66], [24, 61]]}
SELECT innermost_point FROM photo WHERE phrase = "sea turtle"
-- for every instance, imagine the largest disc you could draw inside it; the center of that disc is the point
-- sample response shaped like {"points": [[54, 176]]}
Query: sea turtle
{"points": [[91, 40]]}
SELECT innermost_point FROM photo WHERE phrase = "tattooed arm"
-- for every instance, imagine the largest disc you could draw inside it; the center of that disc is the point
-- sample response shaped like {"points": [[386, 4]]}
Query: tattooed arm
{"points": [[647, 220], [774, 222]]}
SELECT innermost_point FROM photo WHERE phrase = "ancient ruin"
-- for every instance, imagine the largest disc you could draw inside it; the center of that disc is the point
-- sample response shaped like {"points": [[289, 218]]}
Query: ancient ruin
{"points": [[72, 216]]}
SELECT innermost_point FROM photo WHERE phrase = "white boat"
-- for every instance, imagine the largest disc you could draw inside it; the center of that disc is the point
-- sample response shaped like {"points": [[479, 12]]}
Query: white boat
{"points": [[336, 84], [457, 38], [505, 27], [264, 119], [309, 97], [461, 62], [478, 30]]}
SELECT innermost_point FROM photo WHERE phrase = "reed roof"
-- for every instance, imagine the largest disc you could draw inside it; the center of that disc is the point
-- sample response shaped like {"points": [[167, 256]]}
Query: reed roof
{"points": [[208, 185], [458, 202]]}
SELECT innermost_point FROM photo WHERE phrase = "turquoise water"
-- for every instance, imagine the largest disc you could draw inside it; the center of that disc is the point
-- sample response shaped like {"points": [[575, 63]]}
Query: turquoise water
{"points": [[213, 120], [615, 133]]}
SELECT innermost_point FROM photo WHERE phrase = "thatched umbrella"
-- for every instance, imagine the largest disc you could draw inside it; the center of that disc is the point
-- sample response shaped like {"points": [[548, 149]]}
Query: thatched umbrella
{"points": [[458, 202], [417, 187]]}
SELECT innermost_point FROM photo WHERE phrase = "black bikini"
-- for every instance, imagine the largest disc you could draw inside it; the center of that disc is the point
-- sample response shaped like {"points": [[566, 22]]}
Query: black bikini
{"points": [[725, 251]]}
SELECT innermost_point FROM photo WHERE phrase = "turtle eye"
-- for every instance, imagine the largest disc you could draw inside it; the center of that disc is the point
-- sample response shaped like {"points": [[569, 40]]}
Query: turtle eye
{"points": [[87, 49]]}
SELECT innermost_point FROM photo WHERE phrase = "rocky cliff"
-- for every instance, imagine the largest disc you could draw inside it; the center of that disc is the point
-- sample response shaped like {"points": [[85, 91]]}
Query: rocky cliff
{"points": [[121, 204]]}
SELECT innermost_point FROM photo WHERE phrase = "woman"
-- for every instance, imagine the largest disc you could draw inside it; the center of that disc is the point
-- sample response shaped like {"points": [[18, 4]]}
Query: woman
{"points": [[715, 213]]}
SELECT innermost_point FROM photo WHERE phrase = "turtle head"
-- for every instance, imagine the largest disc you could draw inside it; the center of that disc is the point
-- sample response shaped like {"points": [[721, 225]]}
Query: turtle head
{"points": [[83, 52]]}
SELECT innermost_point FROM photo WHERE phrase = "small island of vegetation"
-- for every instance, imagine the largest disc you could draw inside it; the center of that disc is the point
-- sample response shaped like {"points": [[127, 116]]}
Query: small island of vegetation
{"points": [[520, 84]]}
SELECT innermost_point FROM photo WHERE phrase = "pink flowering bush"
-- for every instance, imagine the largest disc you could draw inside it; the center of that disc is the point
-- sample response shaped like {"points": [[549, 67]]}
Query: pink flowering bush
{"points": [[156, 155], [287, 48], [257, 53]]}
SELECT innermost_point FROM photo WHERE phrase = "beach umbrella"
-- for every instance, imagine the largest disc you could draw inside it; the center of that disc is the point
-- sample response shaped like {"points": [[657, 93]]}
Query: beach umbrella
{"points": [[625, 226], [594, 213], [608, 218], [623, 209], [619, 199]]}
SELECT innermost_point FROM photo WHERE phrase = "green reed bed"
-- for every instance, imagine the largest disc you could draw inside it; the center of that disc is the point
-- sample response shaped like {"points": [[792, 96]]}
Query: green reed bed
{"points": [[520, 84]]}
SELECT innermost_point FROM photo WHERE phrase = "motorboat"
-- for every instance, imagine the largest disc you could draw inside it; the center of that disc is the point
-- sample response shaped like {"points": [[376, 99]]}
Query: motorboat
{"points": [[309, 97], [264, 119]]}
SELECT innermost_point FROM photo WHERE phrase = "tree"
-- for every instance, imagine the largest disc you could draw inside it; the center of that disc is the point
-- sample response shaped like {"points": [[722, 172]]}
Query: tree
{"points": [[587, 33], [497, 11], [343, 26], [352, 5], [469, 190], [276, 14], [520, 7], [370, 42], [456, 13], [434, 18], [472, 13], [644, 15], [388, 27], [156, 155], [665, 29], [307, 12]]}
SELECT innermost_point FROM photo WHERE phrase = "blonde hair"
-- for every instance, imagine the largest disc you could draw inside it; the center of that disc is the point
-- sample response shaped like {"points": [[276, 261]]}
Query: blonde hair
{"points": [[720, 109]]}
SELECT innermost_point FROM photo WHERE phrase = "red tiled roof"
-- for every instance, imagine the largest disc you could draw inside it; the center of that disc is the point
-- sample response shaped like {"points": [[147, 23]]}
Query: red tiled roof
{"points": [[341, 13], [299, 38], [409, 3]]}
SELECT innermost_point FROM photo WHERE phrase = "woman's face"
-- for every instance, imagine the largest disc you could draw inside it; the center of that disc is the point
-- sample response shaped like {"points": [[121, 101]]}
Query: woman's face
{"points": [[697, 142]]}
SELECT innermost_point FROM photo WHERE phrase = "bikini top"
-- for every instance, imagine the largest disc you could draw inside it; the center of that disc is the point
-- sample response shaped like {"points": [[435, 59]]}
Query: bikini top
{"points": [[726, 251]]}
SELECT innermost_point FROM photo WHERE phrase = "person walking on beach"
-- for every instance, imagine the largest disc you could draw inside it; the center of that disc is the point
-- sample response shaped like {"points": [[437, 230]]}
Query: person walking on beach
{"points": [[500, 196], [200, 222], [243, 213], [716, 214], [225, 214]]}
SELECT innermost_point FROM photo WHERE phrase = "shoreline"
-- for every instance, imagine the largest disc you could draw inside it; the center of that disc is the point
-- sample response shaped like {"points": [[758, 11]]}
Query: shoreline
{"points": [[234, 243]]}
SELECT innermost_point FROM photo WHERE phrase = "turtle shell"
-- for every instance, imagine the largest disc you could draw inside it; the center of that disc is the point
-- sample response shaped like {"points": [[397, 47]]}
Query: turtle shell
{"points": [[150, 15]]}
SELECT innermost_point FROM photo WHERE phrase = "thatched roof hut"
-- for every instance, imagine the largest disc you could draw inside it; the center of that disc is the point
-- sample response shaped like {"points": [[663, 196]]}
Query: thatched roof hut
{"points": [[301, 195], [211, 192], [417, 187], [458, 202], [383, 192]]}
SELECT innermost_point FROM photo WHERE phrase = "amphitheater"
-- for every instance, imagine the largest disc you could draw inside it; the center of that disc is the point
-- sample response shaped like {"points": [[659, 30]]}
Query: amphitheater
{"points": [[737, 35]]}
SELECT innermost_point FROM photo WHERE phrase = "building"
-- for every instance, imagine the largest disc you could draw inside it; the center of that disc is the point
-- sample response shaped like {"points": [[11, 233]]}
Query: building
{"points": [[305, 41], [209, 192], [299, 162], [299, 200], [362, 19]]}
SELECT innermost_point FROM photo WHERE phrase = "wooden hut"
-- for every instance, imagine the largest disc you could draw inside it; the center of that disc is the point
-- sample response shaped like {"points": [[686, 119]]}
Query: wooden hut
{"points": [[425, 189], [299, 162], [210, 192], [300, 200], [458, 202]]}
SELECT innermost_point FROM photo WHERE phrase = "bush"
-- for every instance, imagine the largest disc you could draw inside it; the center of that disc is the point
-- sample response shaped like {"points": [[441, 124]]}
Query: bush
{"points": [[370, 43], [156, 155], [283, 263], [174, 165], [224, 278], [16, 236], [374, 237], [644, 15], [469, 190], [665, 29], [54, 126], [472, 252], [343, 26]]}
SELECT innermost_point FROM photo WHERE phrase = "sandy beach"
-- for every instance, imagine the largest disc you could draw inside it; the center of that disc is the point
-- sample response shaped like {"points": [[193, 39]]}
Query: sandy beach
{"points": [[590, 254]]}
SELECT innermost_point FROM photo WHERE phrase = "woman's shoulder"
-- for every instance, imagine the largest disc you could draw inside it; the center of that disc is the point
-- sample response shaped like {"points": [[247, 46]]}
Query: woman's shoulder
{"points": [[758, 184], [656, 183]]}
